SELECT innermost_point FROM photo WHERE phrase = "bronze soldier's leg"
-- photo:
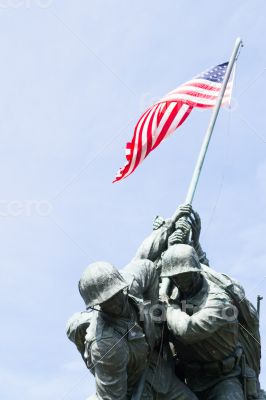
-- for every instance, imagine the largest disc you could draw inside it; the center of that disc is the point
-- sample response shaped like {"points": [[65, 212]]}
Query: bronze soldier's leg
{"points": [[163, 382], [229, 389], [148, 392], [177, 391]]}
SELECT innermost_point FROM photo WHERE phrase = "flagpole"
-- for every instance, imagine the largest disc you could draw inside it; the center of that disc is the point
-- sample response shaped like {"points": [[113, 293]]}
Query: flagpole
{"points": [[204, 147], [207, 137]]}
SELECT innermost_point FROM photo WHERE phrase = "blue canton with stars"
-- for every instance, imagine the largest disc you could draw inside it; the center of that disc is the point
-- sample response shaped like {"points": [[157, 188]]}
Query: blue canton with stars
{"points": [[215, 74]]}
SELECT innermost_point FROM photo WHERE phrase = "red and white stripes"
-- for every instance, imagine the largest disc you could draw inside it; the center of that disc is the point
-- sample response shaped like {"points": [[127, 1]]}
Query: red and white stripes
{"points": [[162, 119]]}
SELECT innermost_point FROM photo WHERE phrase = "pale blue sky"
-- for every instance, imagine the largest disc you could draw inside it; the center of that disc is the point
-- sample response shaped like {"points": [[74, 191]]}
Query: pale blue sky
{"points": [[75, 76]]}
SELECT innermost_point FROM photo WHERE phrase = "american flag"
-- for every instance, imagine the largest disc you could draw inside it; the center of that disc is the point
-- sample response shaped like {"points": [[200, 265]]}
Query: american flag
{"points": [[167, 114]]}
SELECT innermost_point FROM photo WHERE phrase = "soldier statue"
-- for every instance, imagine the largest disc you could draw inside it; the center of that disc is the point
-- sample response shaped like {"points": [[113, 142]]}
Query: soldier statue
{"points": [[193, 342], [122, 343], [213, 327]]}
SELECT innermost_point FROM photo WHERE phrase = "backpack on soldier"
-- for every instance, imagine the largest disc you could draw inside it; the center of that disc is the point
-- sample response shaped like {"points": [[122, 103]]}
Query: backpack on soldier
{"points": [[249, 334], [247, 316]]}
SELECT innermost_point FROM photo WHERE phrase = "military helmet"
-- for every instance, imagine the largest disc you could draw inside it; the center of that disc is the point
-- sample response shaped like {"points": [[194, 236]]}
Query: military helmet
{"points": [[99, 282], [178, 259]]}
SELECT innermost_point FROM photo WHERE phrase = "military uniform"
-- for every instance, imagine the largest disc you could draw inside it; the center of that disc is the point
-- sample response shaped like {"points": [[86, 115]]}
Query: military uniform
{"points": [[204, 331], [119, 354], [205, 341]]}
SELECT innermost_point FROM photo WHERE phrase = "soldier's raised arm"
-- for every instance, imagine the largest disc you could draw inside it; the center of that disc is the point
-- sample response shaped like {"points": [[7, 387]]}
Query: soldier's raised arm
{"points": [[171, 231], [143, 279], [157, 242]]}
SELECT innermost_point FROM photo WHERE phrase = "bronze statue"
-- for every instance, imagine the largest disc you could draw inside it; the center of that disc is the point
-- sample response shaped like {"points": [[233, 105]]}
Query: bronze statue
{"points": [[190, 342], [122, 342]]}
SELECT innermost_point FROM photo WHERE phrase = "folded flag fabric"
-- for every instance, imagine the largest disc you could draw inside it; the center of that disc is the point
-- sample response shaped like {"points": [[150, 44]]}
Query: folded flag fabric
{"points": [[167, 114]]}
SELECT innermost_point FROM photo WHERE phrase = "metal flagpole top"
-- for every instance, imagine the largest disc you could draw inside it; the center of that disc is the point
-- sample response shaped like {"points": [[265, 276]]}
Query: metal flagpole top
{"points": [[206, 140]]}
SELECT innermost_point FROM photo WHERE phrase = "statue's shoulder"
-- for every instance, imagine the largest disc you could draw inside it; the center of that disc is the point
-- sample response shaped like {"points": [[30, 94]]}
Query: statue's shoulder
{"points": [[223, 284], [216, 291], [136, 267], [98, 330], [103, 340]]}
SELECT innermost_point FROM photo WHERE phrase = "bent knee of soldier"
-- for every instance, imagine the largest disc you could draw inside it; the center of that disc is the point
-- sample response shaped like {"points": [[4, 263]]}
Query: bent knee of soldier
{"points": [[229, 389]]}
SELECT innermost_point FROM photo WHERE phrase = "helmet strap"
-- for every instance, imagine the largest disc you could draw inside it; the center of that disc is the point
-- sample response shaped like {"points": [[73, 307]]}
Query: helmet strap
{"points": [[95, 309]]}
